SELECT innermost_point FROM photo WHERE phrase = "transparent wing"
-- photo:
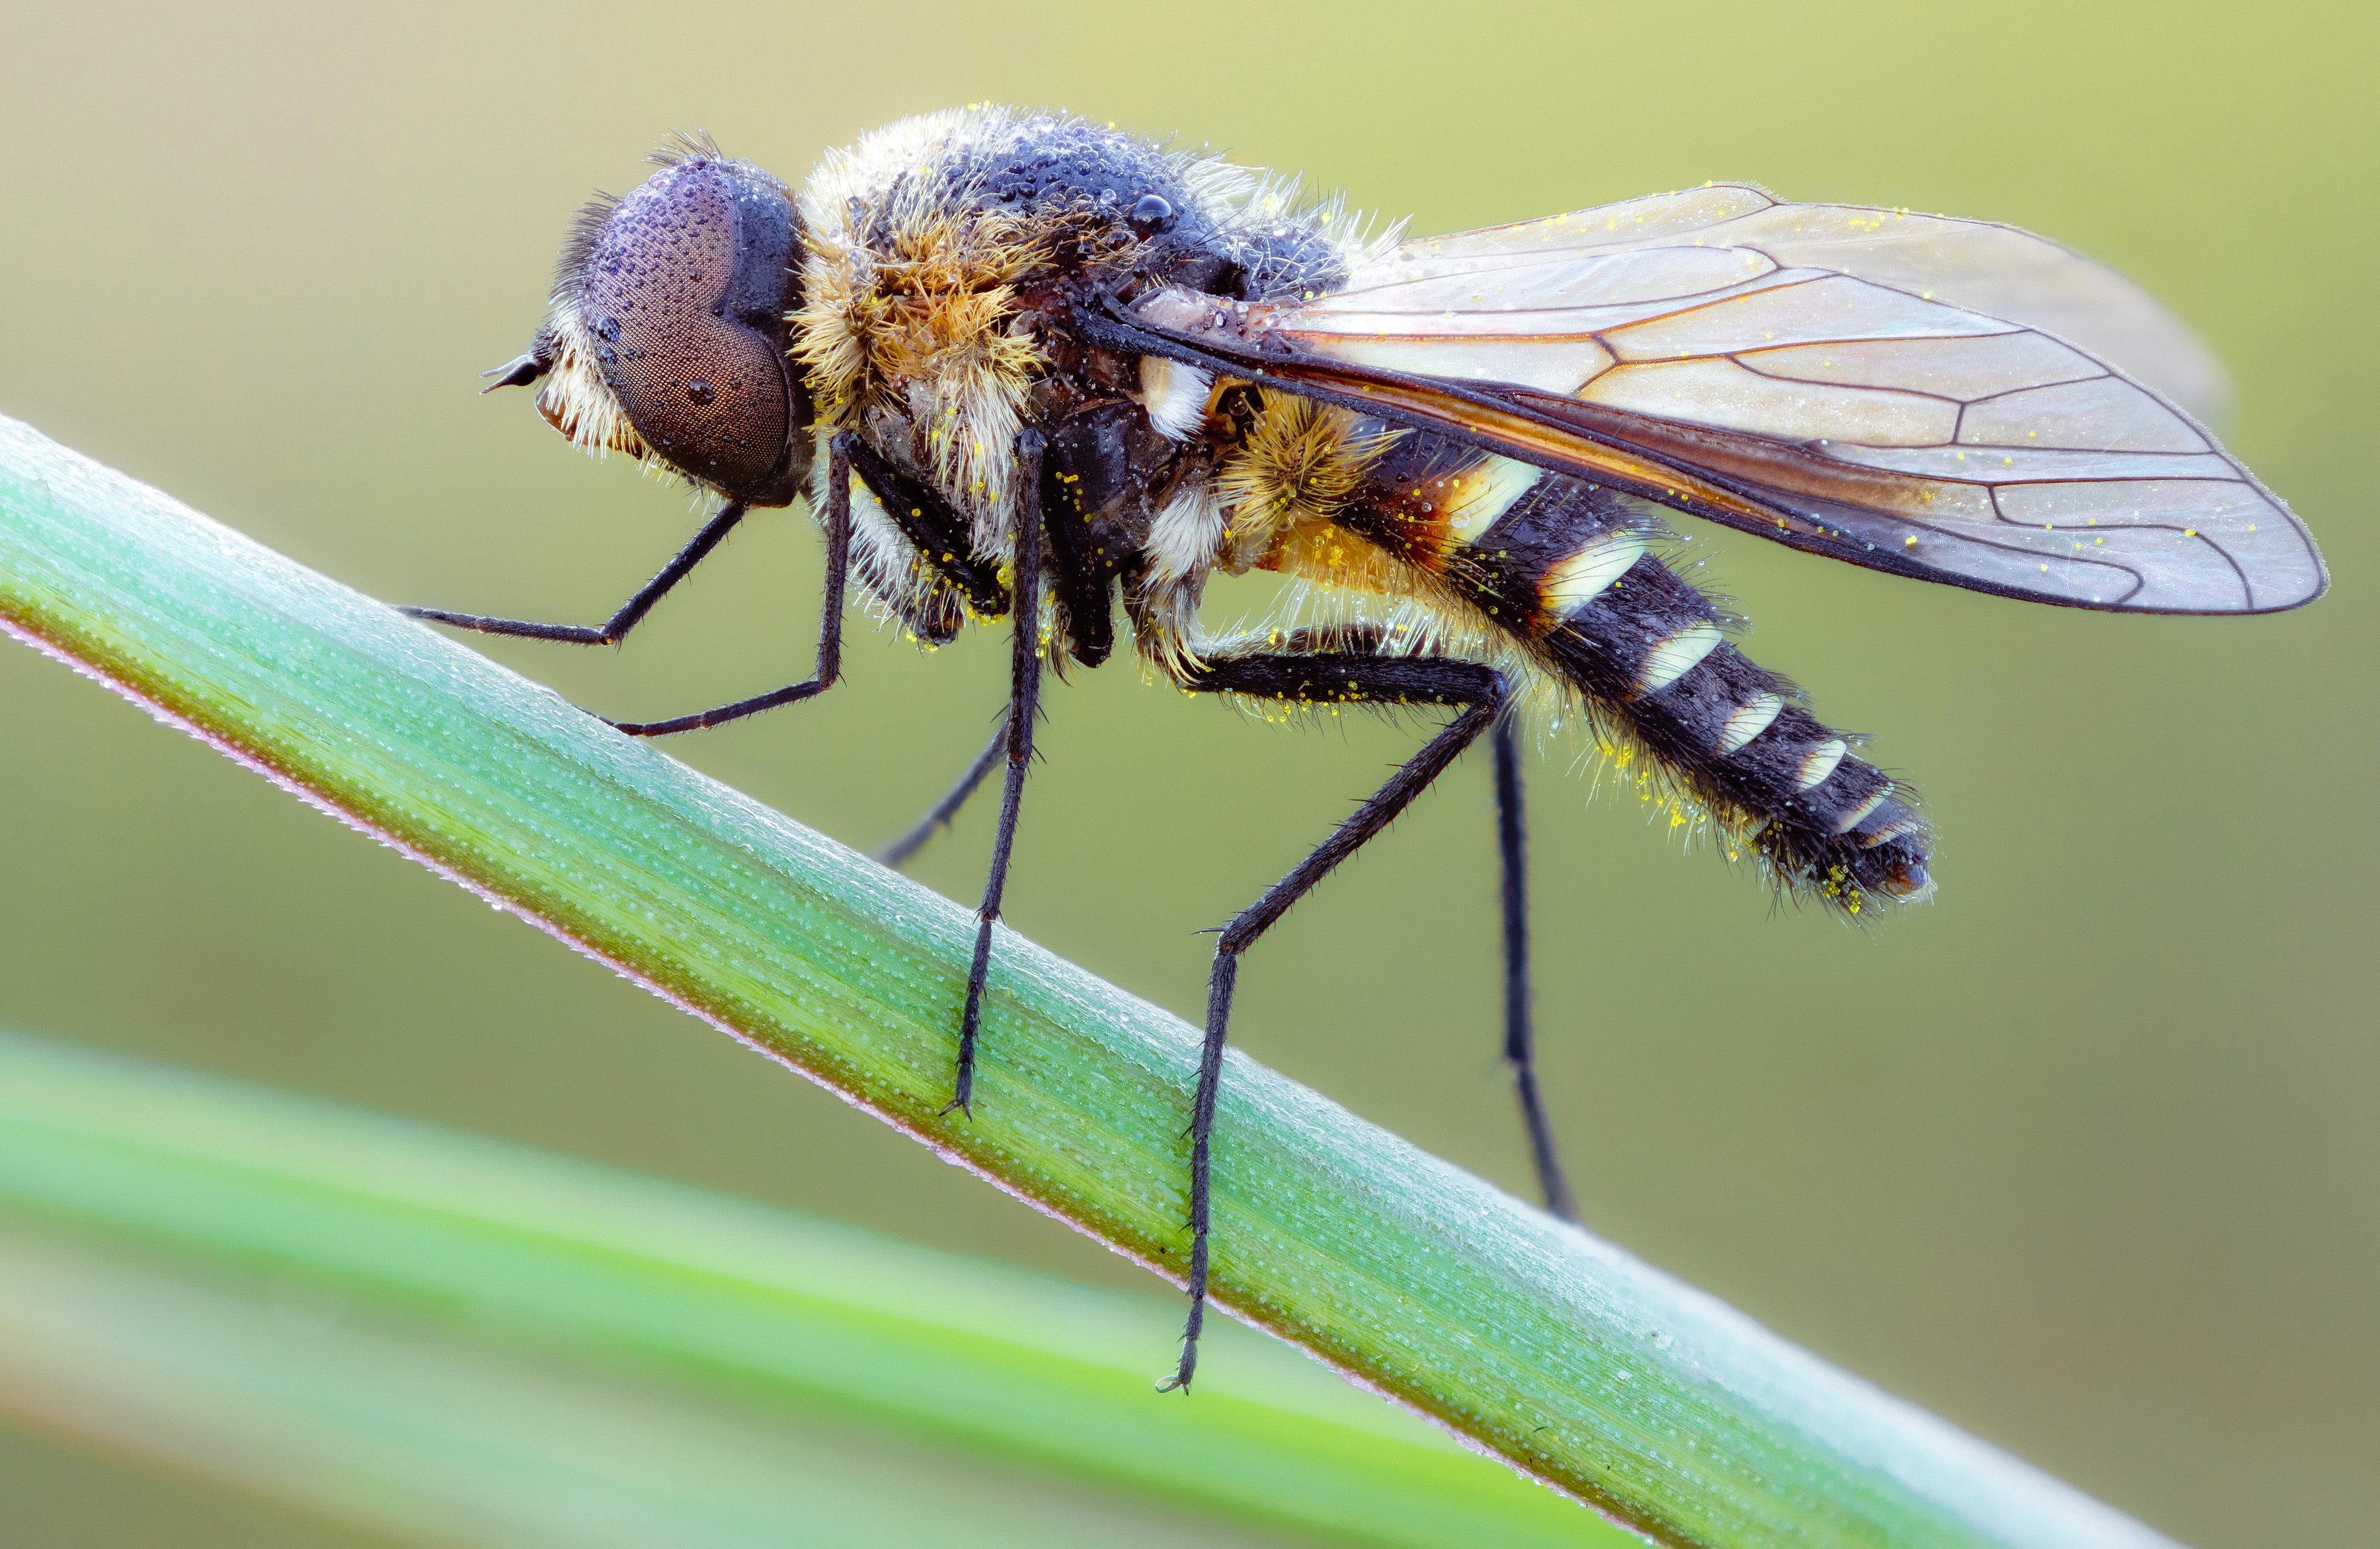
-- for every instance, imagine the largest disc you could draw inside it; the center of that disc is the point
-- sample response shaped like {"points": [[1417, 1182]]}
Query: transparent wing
{"points": [[1948, 399]]}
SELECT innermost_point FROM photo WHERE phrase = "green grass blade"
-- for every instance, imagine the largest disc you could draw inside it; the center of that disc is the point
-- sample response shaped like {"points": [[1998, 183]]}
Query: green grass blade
{"points": [[431, 1331], [1540, 1344]]}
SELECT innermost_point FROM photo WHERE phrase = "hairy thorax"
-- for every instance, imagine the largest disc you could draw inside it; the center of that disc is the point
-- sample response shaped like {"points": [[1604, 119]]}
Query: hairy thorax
{"points": [[943, 260]]}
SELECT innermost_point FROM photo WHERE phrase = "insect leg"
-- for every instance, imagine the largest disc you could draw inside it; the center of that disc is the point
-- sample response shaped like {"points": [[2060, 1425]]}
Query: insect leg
{"points": [[934, 529], [830, 645], [1327, 678], [1023, 700], [631, 611], [941, 813], [1520, 1034]]}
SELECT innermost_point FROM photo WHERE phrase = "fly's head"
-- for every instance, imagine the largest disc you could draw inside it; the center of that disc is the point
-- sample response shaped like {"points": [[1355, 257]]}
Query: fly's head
{"points": [[667, 333]]}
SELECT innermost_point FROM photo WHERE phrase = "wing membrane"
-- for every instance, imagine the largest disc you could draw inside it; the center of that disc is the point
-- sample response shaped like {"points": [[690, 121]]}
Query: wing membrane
{"points": [[1948, 399]]}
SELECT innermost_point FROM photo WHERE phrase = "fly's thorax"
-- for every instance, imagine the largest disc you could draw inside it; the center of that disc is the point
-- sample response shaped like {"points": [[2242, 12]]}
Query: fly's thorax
{"points": [[667, 339], [1105, 473], [943, 255], [1079, 196], [942, 261]]}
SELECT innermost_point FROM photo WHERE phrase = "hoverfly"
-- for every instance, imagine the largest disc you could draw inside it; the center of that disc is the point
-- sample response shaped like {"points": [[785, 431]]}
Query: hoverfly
{"points": [[1024, 365]]}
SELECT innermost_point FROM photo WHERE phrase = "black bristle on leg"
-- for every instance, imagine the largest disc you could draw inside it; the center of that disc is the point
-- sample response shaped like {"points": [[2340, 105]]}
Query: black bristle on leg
{"points": [[945, 811], [1520, 1034], [1330, 678], [1220, 985], [631, 613], [1023, 700], [829, 665]]}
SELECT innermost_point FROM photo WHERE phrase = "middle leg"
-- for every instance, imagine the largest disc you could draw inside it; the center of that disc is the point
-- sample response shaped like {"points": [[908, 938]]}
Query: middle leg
{"points": [[944, 812]]}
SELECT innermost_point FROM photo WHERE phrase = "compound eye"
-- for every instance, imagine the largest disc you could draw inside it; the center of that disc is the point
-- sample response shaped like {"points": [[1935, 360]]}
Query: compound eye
{"points": [[684, 291]]}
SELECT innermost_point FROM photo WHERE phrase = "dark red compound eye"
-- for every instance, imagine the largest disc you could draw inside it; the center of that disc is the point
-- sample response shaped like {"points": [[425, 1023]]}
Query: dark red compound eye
{"points": [[683, 293]]}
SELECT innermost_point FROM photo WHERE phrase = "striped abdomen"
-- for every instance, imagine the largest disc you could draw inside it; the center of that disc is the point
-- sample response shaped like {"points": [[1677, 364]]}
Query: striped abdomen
{"points": [[1564, 567]]}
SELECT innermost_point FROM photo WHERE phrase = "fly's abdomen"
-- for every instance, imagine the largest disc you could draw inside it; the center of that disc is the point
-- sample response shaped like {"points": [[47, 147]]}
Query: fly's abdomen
{"points": [[1568, 568]]}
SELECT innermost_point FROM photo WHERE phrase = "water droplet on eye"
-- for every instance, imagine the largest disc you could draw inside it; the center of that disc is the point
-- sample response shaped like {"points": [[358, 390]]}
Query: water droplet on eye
{"points": [[700, 392], [1152, 214]]}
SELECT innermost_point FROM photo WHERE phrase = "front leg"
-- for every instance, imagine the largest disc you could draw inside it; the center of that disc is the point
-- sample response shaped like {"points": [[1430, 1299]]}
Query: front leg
{"points": [[937, 531], [1341, 677], [1024, 702], [829, 645], [616, 628]]}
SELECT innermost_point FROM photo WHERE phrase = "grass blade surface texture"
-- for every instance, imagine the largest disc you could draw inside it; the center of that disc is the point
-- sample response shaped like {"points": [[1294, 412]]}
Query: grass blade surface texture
{"points": [[464, 1341], [1557, 1352]]}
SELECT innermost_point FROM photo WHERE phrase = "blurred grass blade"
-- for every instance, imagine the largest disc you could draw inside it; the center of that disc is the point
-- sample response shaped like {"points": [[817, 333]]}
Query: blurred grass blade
{"points": [[1542, 1345], [433, 1333]]}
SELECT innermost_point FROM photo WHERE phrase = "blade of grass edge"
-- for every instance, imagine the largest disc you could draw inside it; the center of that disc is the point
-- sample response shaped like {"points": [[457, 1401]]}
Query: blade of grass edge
{"points": [[1566, 1358]]}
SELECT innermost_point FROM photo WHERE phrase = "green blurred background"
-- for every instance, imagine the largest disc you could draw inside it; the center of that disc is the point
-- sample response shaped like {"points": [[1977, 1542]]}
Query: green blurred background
{"points": [[2081, 1155]]}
